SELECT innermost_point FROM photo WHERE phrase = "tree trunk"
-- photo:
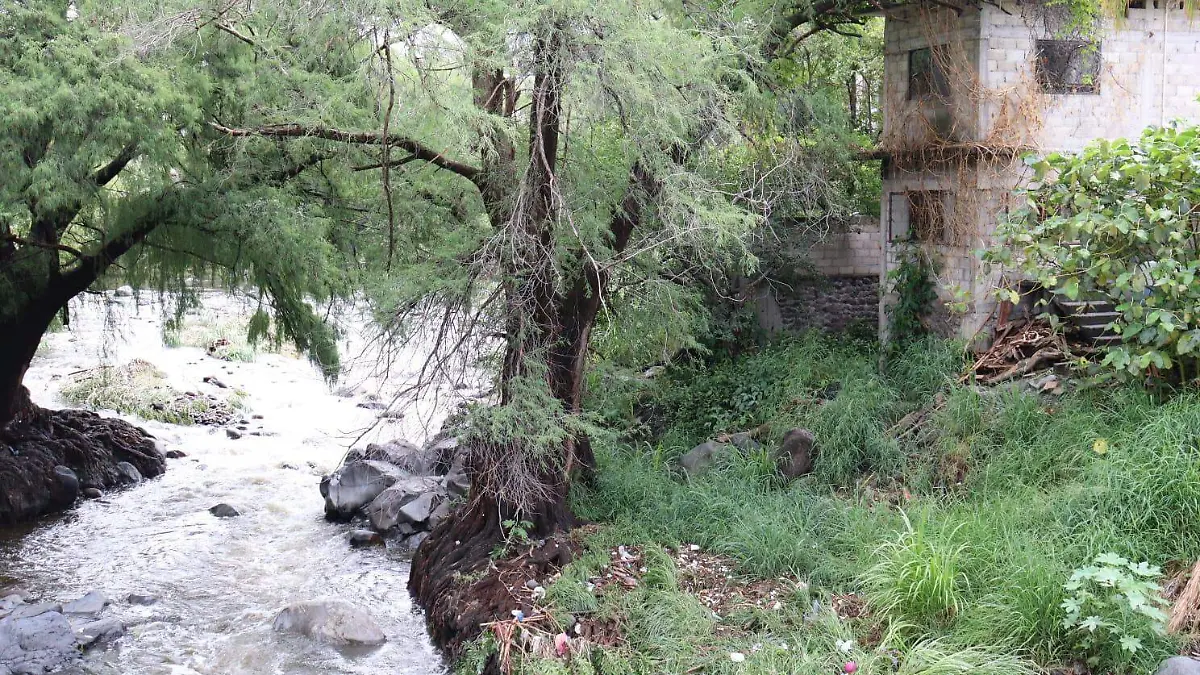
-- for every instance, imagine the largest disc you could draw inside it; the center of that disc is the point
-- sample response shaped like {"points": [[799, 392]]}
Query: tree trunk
{"points": [[20, 333]]}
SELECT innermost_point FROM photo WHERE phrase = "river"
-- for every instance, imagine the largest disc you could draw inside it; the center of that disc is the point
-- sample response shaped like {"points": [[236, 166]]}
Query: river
{"points": [[220, 582]]}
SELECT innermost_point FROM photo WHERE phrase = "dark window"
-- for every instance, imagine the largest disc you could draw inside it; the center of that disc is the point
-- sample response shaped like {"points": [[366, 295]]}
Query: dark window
{"points": [[1068, 66], [927, 73], [927, 216]]}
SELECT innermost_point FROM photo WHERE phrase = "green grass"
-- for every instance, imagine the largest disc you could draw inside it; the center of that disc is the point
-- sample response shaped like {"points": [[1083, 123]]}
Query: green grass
{"points": [[225, 339], [961, 534], [138, 388]]}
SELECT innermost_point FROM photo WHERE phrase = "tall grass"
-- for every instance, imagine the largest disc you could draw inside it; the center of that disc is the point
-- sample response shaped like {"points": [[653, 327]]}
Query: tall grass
{"points": [[918, 577], [1009, 492]]}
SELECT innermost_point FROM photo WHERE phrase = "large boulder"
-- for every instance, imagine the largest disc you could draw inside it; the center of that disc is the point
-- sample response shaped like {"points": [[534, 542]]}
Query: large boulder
{"points": [[89, 605], [702, 457], [36, 644], [354, 485], [458, 481], [392, 507], [1179, 665], [417, 461], [795, 455], [331, 621]]}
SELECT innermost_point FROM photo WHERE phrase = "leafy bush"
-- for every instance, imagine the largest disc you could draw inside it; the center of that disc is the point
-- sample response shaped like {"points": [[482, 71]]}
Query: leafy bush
{"points": [[1113, 605], [1118, 221]]}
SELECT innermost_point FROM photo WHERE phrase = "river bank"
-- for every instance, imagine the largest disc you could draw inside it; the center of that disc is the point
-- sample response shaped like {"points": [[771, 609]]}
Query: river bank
{"points": [[219, 582]]}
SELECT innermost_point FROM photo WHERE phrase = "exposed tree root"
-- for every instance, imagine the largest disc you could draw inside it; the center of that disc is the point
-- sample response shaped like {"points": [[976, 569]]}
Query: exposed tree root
{"points": [[40, 440], [459, 584]]}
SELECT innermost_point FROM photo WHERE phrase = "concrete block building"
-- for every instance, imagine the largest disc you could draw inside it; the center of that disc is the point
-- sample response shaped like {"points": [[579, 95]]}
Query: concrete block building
{"points": [[969, 89]]}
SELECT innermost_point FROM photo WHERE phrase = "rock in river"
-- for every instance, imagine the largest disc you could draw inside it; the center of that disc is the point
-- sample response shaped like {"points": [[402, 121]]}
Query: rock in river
{"points": [[330, 621], [36, 644], [354, 485], [365, 538], [68, 481], [100, 632], [129, 472], [418, 461], [91, 604], [224, 510], [389, 509]]}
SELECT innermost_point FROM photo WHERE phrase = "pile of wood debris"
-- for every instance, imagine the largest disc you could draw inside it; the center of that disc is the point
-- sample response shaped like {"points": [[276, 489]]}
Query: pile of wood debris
{"points": [[1020, 349]]}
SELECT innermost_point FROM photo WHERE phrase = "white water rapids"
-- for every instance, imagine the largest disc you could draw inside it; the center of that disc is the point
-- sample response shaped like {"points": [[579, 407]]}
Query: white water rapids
{"points": [[220, 582]]}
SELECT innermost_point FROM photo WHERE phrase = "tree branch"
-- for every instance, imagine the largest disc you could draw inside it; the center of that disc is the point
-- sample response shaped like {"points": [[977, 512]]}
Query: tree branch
{"points": [[413, 147], [104, 175]]}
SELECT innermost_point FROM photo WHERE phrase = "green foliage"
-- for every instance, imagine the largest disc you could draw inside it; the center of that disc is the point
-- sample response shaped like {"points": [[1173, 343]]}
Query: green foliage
{"points": [[1115, 222], [979, 576], [1112, 604], [918, 578], [140, 389], [913, 285]]}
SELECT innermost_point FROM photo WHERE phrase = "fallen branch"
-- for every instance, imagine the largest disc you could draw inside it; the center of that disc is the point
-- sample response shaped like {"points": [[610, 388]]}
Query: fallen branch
{"points": [[1044, 356]]}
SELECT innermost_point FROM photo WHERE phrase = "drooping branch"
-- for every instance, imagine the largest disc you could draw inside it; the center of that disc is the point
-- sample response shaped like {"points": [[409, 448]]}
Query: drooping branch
{"points": [[413, 147]]}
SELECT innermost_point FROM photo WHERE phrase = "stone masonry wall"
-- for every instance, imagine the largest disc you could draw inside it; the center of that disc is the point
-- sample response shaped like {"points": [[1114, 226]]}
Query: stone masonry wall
{"points": [[854, 252], [844, 290], [829, 303]]}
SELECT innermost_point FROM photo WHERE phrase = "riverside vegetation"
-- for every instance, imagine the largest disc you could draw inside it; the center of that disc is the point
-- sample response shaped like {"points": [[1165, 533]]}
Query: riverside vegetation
{"points": [[971, 543]]}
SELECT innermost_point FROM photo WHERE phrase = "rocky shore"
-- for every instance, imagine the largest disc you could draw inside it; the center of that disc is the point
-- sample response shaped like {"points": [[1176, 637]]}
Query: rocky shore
{"points": [[51, 458], [397, 489]]}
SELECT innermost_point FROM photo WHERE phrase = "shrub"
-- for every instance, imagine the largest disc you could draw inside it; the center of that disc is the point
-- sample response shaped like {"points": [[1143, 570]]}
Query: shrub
{"points": [[1117, 220], [1112, 607], [918, 578]]}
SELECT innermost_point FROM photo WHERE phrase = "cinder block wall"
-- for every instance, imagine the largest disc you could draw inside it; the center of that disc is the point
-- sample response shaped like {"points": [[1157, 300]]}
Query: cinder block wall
{"points": [[1149, 75]]}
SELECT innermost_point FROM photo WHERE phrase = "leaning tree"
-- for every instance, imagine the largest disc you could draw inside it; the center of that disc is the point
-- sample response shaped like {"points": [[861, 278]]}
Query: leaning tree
{"points": [[109, 165], [530, 155]]}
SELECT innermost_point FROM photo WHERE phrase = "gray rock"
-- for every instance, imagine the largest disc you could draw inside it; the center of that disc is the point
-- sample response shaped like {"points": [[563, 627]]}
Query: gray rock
{"points": [[174, 454], [744, 441], [129, 472], [795, 455], [124, 292], [92, 493], [233, 434], [355, 485], [385, 511], [458, 481], [37, 644], [1179, 665], [418, 510], [30, 611], [141, 599], [373, 405], [91, 604], [331, 621], [100, 632], [447, 449], [365, 538], [224, 510], [68, 481], [439, 514], [417, 461], [413, 542], [10, 601], [702, 457]]}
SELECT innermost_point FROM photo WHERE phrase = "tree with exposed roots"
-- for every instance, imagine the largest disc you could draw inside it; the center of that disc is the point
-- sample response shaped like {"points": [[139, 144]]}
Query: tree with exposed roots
{"points": [[496, 173]]}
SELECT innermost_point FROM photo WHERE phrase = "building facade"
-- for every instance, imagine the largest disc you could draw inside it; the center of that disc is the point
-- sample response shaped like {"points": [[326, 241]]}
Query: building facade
{"points": [[970, 90]]}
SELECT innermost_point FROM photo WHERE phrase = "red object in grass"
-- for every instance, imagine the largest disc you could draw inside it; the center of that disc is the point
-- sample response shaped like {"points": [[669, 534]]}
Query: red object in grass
{"points": [[850, 667], [562, 644]]}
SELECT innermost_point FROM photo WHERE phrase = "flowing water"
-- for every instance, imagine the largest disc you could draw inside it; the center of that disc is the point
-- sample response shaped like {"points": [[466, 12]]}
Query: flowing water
{"points": [[221, 582]]}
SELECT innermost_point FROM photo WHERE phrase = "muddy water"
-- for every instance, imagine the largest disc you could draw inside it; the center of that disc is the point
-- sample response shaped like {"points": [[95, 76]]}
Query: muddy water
{"points": [[220, 582]]}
